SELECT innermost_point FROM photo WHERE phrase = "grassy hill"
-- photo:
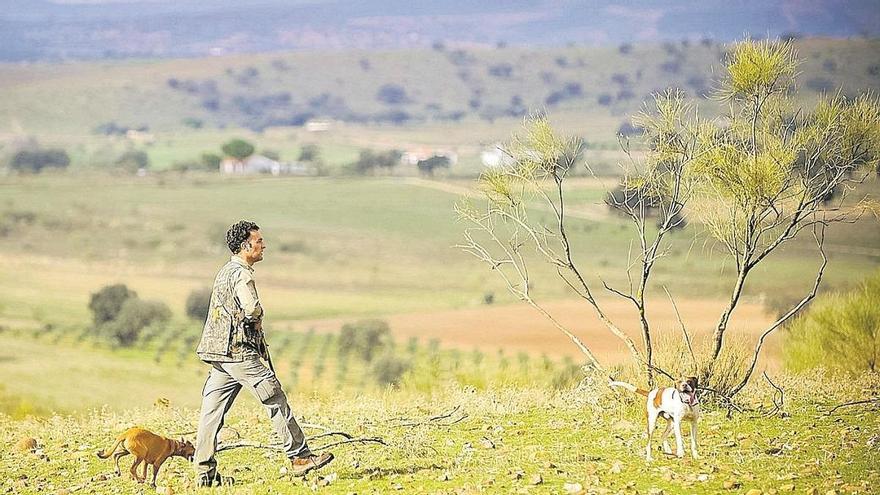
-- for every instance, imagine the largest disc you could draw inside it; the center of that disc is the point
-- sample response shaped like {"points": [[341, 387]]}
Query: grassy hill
{"points": [[500, 440], [464, 99]]}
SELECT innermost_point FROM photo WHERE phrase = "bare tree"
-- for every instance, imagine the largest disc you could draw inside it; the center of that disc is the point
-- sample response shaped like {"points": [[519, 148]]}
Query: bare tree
{"points": [[755, 177]]}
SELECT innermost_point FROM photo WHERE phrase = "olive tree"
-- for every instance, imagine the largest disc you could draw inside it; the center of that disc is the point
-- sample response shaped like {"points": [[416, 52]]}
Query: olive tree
{"points": [[755, 177]]}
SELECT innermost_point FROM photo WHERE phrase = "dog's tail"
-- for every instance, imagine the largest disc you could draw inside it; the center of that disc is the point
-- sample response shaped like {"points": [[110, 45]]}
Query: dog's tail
{"points": [[629, 386], [105, 454]]}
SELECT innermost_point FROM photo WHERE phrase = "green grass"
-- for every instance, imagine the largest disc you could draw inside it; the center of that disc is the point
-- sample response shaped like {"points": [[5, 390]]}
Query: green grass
{"points": [[507, 437], [337, 247]]}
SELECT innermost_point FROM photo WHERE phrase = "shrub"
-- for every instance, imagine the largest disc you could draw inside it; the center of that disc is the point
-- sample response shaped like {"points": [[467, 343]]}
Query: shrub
{"points": [[369, 160], [427, 166], [132, 160], [389, 369], [193, 123], [568, 91], [211, 161], [198, 303], [829, 65], [35, 160], [309, 153], [107, 302], [840, 332], [502, 70], [671, 67], [364, 337], [392, 94], [566, 377], [627, 129], [820, 84], [133, 317]]}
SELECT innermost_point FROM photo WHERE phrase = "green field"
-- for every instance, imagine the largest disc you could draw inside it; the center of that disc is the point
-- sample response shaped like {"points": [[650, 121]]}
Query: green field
{"points": [[337, 247]]}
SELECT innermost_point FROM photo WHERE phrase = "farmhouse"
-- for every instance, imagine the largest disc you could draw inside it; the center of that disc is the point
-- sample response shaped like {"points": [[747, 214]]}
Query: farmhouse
{"points": [[259, 164]]}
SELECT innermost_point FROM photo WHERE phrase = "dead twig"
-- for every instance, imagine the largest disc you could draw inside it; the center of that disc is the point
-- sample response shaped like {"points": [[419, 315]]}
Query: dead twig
{"points": [[363, 440], [728, 400], [277, 447], [435, 420], [875, 400], [778, 397]]}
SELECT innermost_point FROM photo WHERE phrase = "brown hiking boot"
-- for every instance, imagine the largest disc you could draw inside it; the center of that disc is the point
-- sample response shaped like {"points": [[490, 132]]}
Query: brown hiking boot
{"points": [[300, 466]]}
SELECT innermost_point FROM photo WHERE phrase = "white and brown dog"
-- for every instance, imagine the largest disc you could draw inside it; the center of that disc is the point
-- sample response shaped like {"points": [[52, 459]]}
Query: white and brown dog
{"points": [[674, 405]]}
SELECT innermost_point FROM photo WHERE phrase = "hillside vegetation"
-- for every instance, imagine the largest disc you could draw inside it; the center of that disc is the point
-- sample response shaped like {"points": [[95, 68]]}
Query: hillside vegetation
{"points": [[393, 87]]}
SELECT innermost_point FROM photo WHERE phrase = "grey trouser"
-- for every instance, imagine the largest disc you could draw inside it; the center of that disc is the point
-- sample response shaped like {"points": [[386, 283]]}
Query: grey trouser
{"points": [[224, 382]]}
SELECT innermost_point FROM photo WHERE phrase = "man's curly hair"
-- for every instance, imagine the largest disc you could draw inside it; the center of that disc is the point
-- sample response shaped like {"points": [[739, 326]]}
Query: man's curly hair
{"points": [[239, 233]]}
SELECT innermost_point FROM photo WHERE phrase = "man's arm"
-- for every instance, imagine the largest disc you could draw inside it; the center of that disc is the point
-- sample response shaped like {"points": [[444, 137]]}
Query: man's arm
{"points": [[246, 292]]}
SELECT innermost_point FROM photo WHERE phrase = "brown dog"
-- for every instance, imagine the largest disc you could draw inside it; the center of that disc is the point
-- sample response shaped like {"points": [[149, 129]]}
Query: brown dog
{"points": [[149, 448]]}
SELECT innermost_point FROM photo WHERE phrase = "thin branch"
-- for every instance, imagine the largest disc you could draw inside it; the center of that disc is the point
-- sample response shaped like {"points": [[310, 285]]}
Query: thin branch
{"points": [[777, 404], [819, 236], [280, 448], [407, 422], [363, 440], [875, 400], [684, 332]]}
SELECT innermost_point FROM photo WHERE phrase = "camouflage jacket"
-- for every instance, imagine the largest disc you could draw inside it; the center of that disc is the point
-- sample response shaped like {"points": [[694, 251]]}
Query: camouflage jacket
{"points": [[234, 324]]}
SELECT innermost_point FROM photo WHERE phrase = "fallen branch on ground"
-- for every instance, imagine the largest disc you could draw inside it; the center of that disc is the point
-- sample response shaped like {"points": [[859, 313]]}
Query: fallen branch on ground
{"points": [[875, 400], [434, 420], [777, 405], [278, 447]]}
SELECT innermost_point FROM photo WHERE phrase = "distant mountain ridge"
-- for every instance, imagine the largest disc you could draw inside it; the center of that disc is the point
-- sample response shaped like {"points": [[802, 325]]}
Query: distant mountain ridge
{"points": [[95, 29]]}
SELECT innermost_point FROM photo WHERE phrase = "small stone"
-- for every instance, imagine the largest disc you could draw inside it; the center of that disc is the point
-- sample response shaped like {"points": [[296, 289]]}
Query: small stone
{"points": [[787, 487], [283, 470], [26, 444], [536, 480], [754, 491], [616, 467], [445, 476], [573, 488], [327, 480], [703, 477], [228, 435], [487, 444], [731, 484], [656, 491]]}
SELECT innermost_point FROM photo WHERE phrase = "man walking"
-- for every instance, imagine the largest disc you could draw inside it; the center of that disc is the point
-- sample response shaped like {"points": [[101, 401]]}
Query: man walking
{"points": [[232, 343]]}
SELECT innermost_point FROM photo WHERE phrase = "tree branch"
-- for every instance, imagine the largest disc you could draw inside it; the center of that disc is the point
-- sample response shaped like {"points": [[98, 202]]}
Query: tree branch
{"points": [[819, 236]]}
